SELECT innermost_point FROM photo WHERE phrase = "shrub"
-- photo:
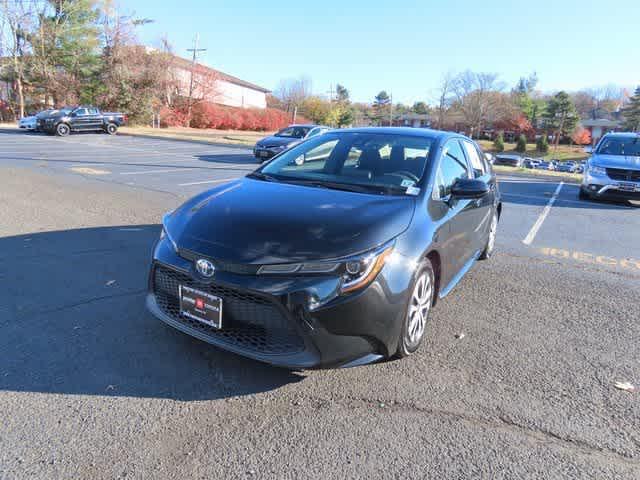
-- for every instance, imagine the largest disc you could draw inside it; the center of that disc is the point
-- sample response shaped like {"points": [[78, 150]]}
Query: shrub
{"points": [[172, 117], [542, 144], [521, 145], [210, 115], [498, 143]]}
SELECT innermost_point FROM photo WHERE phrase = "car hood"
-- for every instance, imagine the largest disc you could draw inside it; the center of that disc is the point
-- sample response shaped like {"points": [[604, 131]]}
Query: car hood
{"points": [[274, 141], [253, 222], [616, 161], [27, 119]]}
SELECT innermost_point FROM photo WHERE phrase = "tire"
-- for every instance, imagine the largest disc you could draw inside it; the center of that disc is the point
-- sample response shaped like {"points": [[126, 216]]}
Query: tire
{"points": [[111, 129], [62, 130], [582, 195], [418, 311], [491, 241]]}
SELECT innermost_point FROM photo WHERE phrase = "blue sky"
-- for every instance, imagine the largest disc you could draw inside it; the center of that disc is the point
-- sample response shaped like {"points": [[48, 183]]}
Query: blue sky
{"points": [[405, 46]]}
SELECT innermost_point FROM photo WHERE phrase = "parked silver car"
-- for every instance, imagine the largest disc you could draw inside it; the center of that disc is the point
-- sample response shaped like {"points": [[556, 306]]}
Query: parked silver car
{"points": [[613, 171]]}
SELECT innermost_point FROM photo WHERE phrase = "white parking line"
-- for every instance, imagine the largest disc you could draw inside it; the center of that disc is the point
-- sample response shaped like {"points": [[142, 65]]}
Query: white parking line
{"points": [[536, 226], [206, 181], [167, 170]]}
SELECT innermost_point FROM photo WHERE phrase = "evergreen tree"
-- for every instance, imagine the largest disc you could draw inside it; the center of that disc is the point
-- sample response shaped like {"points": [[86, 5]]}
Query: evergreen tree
{"points": [[521, 145], [631, 113], [498, 143], [381, 107], [420, 108], [561, 116], [542, 144]]}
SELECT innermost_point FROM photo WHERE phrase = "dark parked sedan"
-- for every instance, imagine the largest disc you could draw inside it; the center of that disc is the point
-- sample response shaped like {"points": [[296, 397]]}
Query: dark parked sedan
{"points": [[508, 160], [332, 254], [269, 147]]}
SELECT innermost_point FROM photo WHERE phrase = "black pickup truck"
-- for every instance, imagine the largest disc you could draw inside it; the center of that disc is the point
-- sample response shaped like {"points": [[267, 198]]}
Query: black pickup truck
{"points": [[82, 119]]}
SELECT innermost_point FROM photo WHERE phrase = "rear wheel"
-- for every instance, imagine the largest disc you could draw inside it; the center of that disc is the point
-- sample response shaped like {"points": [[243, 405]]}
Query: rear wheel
{"points": [[418, 311], [491, 241], [112, 129], [62, 130]]}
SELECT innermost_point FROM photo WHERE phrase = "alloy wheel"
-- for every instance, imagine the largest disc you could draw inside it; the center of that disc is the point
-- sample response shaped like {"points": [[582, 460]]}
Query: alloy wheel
{"points": [[419, 307]]}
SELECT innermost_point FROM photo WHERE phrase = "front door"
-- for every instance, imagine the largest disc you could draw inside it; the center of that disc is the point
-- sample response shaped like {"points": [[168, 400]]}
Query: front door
{"points": [[457, 229]]}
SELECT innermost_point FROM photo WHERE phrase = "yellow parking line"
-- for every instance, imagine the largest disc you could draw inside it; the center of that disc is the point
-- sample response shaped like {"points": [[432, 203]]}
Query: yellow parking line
{"points": [[591, 258]]}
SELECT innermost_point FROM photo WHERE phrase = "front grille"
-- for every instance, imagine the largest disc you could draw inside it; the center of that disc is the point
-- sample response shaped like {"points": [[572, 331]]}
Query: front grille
{"points": [[622, 174], [251, 322], [241, 269]]}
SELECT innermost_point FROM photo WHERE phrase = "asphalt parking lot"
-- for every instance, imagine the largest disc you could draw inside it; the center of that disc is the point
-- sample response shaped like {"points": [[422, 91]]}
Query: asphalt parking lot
{"points": [[91, 386]]}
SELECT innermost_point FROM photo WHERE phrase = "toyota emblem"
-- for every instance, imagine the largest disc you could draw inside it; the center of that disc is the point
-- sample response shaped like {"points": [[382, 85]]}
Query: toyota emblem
{"points": [[205, 268]]}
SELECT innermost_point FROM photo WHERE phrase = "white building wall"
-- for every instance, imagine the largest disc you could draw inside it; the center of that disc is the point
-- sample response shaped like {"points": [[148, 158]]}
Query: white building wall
{"points": [[237, 96], [222, 91]]}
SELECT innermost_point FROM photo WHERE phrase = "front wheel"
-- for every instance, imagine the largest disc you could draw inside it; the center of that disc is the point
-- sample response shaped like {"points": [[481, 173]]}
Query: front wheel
{"points": [[111, 129], [582, 195], [418, 311], [62, 130]]}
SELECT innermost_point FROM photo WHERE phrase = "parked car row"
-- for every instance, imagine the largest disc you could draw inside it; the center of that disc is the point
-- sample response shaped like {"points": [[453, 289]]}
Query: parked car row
{"points": [[63, 121], [539, 163]]}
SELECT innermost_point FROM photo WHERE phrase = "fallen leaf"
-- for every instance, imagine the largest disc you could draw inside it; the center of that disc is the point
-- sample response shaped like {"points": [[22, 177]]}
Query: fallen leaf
{"points": [[460, 335], [110, 282], [626, 386]]}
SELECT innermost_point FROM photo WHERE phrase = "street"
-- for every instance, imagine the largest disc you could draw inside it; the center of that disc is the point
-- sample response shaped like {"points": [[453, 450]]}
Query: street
{"points": [[515, 379]]}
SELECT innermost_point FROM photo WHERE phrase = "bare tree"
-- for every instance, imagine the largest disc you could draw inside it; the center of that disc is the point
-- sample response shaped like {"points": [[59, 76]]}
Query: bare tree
{"points": [[444, 96], [292, 92], [607, 97], [478, 98], [18, 17]]}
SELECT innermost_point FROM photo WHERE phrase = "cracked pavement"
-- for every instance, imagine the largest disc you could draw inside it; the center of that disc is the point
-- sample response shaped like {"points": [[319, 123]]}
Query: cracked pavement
{"points": [[91, 386]]}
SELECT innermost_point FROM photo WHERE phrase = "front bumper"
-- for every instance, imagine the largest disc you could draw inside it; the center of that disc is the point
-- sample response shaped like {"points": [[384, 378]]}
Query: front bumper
{"points": [[601, 186], [266, 153], [268, 318]]}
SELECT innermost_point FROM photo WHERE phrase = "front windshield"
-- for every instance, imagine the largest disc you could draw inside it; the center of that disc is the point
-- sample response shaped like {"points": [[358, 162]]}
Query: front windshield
{"points": [[293, 132], [385, 163], [620, 146]]}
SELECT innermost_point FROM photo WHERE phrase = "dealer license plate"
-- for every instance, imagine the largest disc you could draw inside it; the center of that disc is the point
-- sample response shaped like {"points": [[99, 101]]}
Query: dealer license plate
{"points": [[201, 306]]}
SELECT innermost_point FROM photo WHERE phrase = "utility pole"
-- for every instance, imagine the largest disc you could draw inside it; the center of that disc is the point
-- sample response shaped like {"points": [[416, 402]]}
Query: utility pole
{"points": [[195, 50], [391, 111]]}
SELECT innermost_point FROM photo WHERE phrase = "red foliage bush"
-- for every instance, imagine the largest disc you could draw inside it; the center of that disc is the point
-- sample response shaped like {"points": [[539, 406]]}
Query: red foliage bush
{"points": [[210, 115], [173, 117]]}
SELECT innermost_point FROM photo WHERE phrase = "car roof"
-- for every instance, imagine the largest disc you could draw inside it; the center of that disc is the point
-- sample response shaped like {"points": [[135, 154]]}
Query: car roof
{"points": [[622, 134], [413, 132]]}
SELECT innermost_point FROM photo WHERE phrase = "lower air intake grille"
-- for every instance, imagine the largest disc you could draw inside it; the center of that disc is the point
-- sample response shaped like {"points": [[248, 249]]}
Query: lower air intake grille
{"points": [[250, 322]]}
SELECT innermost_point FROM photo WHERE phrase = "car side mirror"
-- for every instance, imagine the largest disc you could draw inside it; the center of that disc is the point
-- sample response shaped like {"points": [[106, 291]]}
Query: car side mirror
{"points": [[73, 114], [466, 188]]}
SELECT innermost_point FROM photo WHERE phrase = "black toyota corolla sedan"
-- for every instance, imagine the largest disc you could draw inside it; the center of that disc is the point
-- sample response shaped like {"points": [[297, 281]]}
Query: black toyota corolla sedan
{"points": [[332, 254]]}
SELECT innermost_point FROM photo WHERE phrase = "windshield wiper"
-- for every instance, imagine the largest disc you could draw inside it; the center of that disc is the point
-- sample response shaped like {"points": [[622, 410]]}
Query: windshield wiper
{"points": [[349, 187], [262, 176]]}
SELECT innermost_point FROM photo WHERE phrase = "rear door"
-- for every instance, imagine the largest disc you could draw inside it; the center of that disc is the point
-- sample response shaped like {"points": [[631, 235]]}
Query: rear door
{"points": [[94, 119]]}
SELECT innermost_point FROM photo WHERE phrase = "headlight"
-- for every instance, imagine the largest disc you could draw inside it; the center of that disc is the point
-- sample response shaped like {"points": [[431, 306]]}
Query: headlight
{"points": [[166, 234], [593, 170], [356, 272]]}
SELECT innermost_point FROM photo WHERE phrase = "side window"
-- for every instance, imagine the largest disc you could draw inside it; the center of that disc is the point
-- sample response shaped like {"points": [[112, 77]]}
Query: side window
{"points": [[453, 166], [81, 111], [92, 111], [479, 167]]}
